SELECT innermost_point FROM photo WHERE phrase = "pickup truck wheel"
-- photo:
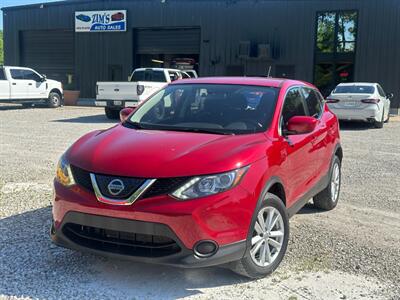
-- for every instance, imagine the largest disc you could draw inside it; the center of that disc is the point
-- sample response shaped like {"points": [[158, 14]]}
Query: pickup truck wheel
{"points": [[54, 100], [112, 113], [267, 241], [328, 198]]}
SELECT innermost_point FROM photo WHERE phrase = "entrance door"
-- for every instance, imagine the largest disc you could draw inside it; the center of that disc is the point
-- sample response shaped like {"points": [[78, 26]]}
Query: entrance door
{"points": [[167, 48]]}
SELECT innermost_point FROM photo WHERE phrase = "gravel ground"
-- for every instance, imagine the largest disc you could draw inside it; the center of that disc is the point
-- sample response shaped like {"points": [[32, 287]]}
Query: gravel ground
{"points": [[352, 252]]}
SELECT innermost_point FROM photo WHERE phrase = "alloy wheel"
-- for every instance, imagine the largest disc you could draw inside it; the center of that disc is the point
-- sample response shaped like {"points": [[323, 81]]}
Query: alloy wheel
{"points": [[335, 182], [268, 236]]}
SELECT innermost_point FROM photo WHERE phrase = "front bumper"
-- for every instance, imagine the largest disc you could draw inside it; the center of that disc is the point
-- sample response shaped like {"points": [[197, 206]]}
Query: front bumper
{"points": [[177, 255]]}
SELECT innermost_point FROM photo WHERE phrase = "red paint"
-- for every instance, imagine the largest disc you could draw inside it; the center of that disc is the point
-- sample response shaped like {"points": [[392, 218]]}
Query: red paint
{"points": [[225, 217], [302, 124]]}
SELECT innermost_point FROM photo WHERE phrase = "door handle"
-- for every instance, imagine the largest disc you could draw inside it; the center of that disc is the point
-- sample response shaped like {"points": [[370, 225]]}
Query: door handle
{"points": [[13, 83], [29, 83]]}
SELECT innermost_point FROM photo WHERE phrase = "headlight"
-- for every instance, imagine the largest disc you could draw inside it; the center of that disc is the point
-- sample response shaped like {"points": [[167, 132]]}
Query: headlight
{"points": [[202, 186], [64, 174]]}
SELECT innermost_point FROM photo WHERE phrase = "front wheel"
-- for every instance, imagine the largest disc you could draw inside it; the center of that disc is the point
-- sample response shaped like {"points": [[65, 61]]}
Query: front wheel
{"points": [[54, 100], [112, 113], [328, 198], [268, 240]]}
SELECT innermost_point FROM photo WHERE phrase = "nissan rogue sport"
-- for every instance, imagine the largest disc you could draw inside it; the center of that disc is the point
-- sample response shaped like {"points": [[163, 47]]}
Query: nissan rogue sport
{"points": [[198, 176]]}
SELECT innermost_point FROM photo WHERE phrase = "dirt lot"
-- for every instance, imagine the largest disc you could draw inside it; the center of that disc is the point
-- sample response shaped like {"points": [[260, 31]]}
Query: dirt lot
{"points": [[352, 252]]}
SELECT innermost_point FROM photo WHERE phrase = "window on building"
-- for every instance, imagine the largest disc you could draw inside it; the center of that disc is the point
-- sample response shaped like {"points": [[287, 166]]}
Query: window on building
{"points": [[336, 31], [335, 45]]}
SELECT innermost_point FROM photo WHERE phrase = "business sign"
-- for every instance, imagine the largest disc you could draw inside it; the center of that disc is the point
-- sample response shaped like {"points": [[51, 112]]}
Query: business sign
{"points": [[100, 21]]}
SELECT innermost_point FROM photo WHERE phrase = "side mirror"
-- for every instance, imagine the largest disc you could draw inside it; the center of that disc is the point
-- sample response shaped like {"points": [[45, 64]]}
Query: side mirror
{"points": [[389, 96], [44, 78], [125, 112], [301, 125]]}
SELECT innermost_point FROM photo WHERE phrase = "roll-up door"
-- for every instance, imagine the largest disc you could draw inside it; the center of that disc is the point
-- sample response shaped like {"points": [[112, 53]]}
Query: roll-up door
{"points": [[168, 41], [50, 52]]}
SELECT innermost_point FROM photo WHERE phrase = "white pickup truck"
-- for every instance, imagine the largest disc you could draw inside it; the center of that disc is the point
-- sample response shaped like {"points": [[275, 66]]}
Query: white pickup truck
{"points": [[26, 86], [144, 82]]}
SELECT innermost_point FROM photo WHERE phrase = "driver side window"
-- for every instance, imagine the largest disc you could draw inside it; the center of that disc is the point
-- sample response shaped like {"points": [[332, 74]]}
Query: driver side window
{"points": [[293, 106]]}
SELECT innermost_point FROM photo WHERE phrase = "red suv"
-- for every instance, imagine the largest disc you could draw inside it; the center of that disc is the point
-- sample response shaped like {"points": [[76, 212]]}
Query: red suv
{"points": [[201, 174]]}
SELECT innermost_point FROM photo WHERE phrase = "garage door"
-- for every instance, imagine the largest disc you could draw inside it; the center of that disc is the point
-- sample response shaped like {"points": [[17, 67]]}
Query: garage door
{"points": [[168, 41], [50, 52]]}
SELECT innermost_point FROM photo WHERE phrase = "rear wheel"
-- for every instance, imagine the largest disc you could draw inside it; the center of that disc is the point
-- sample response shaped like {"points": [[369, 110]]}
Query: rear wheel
{"points": [[328, 198], [268, 240], [112, 113], [388, 118], [379, 124], [54, 100]]}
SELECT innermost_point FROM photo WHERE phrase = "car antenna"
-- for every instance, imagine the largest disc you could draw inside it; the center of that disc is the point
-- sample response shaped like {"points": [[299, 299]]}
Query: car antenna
{"points": [[269, 71]]}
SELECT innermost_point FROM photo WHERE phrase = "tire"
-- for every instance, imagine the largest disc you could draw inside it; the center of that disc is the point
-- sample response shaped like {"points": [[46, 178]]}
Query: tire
{"points": [[112, 113], [388, 118], [251, 264], [54, 100], [328, 198], [380, 123]]}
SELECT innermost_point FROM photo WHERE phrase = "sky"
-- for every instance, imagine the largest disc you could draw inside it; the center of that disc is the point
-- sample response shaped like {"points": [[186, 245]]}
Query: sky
{"points": [[5, 3]]}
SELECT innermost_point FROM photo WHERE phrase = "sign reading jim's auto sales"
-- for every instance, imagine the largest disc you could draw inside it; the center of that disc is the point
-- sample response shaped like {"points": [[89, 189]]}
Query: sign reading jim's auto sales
{"points": [[100, 21]]}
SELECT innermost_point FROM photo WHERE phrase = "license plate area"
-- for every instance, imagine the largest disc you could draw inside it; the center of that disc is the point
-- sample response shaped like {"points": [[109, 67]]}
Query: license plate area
{"points": [[117, 102]]}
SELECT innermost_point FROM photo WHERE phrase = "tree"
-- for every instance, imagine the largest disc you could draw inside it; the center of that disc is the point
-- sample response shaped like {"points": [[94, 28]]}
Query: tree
{"points": [[1, 48]]}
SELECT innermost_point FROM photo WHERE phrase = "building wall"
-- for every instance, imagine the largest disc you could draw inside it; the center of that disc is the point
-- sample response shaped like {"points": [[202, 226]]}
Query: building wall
{"points": [[288, 25]]}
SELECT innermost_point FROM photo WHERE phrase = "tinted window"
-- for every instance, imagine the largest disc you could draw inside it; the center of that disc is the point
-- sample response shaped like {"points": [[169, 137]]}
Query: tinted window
{"points": [[29, 75], [381, 92], [354, 89], [219, 108], [313, 102], [293, 106], [149, 75], [17, 74], [2, 75]]}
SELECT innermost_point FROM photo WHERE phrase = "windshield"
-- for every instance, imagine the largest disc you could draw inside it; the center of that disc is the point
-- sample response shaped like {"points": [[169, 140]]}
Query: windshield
{"points": [[149, 75], [209, 108], [354, 89]]}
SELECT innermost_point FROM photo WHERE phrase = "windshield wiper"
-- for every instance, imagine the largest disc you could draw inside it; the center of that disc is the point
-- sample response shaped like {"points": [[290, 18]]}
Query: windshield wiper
{"points": [[135, 125], [202, 130]]}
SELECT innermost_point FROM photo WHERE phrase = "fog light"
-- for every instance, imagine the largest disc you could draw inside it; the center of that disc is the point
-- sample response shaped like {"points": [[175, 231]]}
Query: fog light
{"points": [[205, 248]]}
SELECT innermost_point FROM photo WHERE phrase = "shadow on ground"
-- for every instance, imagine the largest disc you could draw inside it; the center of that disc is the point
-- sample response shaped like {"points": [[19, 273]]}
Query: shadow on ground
{"points": [[101, 118], [19, 106], [355, 126], [31, 266]]}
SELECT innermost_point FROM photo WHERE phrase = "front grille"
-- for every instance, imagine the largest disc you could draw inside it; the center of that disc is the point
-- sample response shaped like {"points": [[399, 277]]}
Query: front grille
{"points": [[82, 178], [130, 185], [120, 242], [162, 186]]}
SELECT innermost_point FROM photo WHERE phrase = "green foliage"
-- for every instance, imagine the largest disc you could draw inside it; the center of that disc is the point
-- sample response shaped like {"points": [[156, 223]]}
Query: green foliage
{"points": [[1, 48]]}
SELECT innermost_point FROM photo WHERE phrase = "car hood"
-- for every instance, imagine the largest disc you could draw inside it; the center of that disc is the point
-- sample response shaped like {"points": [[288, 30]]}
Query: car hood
{"points": [[156, 154]]}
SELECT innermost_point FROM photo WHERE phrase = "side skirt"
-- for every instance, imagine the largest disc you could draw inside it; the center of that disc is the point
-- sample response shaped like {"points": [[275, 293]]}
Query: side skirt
{"points": [[321, 185]]}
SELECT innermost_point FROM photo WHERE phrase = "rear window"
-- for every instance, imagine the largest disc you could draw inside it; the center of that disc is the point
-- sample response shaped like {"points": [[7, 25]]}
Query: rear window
{"points": [[149, 75], [354, 89]]}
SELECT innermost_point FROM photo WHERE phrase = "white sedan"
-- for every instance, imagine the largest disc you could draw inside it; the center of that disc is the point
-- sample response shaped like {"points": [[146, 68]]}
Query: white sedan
{"points": [[360, 101]]}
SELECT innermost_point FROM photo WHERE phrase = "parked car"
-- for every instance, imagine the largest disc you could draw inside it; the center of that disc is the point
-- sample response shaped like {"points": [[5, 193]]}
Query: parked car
{"points": [[361, 101], [143, 82], [26, 86], [194, 177], [192, 73]]}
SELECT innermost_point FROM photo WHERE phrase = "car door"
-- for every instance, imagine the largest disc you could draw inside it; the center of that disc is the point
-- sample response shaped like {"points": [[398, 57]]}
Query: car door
{"points": [[19, 86], [320, 139], [299, 166], [36, 86]]}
